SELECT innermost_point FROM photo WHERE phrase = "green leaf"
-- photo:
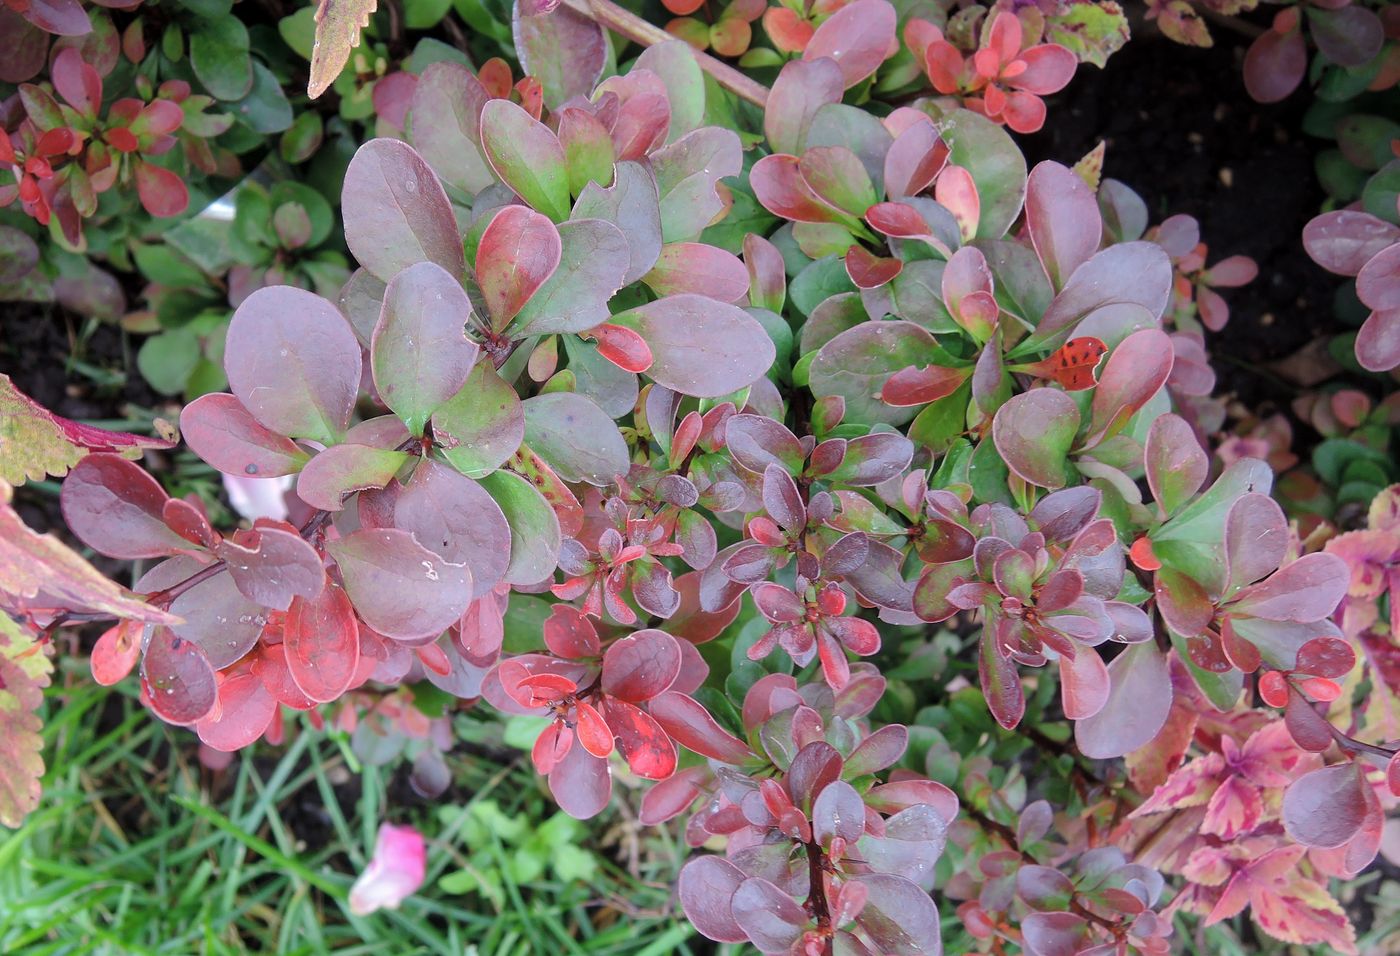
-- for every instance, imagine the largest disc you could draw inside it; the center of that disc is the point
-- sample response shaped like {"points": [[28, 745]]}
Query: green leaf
{"points": [[996, 164], [1092, 30], [219, 55], [298, 30], [263, 107], [527, 156], [167, 360], [482, 425]]}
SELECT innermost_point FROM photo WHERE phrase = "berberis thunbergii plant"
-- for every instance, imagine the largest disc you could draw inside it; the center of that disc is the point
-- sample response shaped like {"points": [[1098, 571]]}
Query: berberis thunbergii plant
{"points": [[783, 410]]}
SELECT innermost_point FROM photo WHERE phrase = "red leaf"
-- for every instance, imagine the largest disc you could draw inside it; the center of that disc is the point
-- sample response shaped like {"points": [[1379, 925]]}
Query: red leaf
{"points": [[641, 666], [322, 638], [858, 37], [869, 271], [519, 251], [177, 679], [162, 192], [245, 711], [593, 730], [623, 347], [115, 653], [1076, 361], [642, 741], [114, 506]]}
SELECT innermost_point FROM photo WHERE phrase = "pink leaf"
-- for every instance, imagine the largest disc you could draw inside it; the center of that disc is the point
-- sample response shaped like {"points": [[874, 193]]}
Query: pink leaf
{"points": [[858, 37]]}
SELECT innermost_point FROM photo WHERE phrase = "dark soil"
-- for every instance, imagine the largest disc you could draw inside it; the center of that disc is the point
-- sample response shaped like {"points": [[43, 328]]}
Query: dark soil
{"points": [[1181, 130]]}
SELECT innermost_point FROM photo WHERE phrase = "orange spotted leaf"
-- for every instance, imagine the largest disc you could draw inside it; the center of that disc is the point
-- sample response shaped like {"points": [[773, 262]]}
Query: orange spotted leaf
{"points": [[1075, 362]]}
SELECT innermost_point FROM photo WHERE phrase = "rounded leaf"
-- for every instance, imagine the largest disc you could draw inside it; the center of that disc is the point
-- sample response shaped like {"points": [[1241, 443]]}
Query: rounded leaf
{"points": [[294, 362], [400, 588], [1034, 432], [419, 353], [641, 665], [177, 678], [1326, 808], [396, 212], [221, 431], [322, 639], [706, 888]]}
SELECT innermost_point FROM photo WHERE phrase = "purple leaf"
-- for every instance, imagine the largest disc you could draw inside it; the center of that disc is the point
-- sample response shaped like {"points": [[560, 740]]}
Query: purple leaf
{"points": [[699, 346], [396, 213], [448, 101], [219, 619], [455, 518], [1256, 539], [872, 459], [1133, 273], [322, 638], [838, 811], [1063, 219], [592, 266], [900, 917], [294, 362], [1309, 589], [1378, 342], [1275, 65], [419, 352], [563, 49], [706, 888], [1034, 432], [576, 437], [1139, 699], [219, 430], [771, 918], [1326, 808], [177, 678], [802, 88], [641, 665], [782, 499], [272, 566], [400, 588], [757, 442], [581, 783], [1378, 282], [881, 749], [1053, 934], [115, 507], [1345, 240], [632, 205], [1349, 36]]}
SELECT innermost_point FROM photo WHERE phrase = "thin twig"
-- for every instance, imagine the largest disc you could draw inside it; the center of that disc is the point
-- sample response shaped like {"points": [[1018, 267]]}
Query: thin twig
{"points": [[627, 24]]}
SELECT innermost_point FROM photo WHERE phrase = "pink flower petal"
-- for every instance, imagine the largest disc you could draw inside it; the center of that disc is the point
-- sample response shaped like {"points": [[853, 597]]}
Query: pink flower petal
{"points": [[400, 860]]}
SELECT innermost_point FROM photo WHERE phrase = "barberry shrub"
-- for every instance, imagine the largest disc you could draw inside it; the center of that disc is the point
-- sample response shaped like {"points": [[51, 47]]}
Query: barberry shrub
{"points": [[754, 413]]}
